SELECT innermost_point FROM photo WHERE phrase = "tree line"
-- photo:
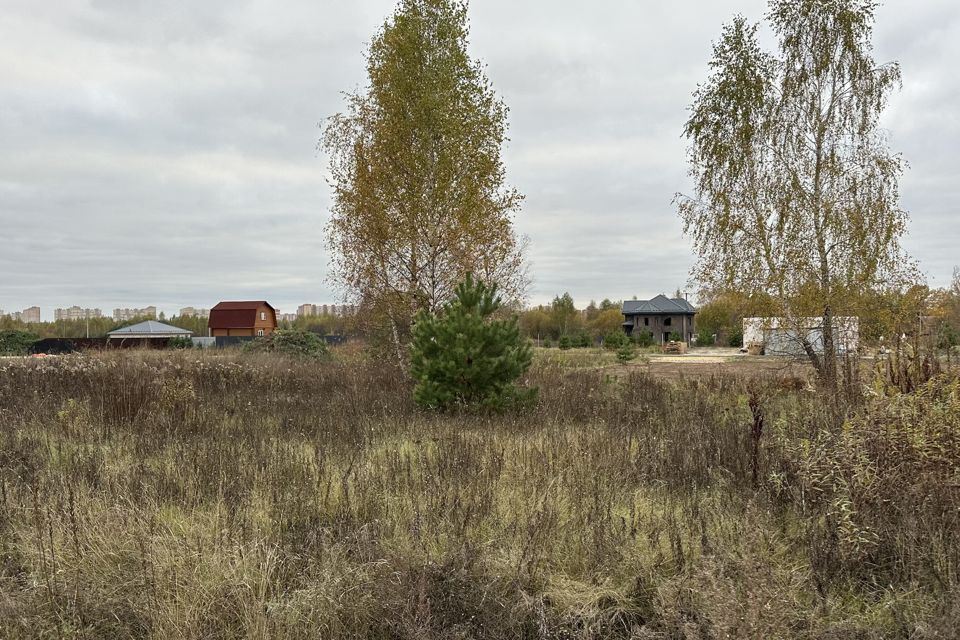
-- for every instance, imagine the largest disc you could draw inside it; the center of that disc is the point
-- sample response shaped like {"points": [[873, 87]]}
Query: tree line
{"points": [[550, 323]]}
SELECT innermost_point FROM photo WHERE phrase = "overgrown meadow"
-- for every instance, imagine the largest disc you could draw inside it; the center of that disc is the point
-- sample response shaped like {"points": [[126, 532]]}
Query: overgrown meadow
{"points": [[197, 495]]}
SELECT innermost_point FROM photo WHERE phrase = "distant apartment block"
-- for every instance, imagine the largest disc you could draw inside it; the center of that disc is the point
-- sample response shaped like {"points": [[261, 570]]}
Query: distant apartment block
{"points": [[306, 310], [193, 312], [76, 313], [124, 315], [30, 315], [286, 317]]}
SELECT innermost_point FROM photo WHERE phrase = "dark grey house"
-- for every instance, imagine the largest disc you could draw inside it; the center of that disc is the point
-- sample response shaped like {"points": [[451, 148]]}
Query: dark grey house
{"points": [[660, 317]]}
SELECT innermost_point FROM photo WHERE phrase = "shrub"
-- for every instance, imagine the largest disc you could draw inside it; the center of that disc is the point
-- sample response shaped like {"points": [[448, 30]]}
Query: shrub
{"points": [[615, 339], [736, 337], [294, 342], [643, 339], [948, 337], [180, 343], [705, 339], [583, 340], [16, 343], [676, 337], [565, 342], [882, 490], [464, 357]]}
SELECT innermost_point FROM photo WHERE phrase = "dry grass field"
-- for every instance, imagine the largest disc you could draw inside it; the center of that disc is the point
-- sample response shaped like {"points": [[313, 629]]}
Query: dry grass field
{"points": [[194, 495]]}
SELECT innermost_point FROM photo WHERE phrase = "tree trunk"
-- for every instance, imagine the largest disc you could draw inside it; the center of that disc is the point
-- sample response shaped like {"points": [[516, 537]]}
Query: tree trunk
{"points": [[804, 338], [815, 359], [396, 342], [829, 351]]}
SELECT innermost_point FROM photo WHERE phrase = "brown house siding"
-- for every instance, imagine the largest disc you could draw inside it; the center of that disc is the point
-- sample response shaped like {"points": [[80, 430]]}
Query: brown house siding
{"points": [[235, 332], [231, 319], [266, 320]]}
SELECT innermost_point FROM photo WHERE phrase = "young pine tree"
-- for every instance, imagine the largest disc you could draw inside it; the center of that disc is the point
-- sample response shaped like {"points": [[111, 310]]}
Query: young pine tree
{"points": [[626, 352], [465, 357]]}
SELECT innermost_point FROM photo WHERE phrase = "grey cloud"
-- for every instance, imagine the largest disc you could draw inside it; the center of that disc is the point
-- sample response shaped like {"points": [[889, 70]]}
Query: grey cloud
{"points": [[166, 153]]}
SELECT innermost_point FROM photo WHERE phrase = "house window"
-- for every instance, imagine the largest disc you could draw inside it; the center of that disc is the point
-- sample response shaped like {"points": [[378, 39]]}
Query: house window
{"points": [[667, 322], [260, 332], [263, 315], [646, 322]]}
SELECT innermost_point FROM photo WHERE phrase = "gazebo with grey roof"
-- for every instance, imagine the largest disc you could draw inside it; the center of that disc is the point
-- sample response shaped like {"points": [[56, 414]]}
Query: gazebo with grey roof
{"points": [[149, 331]]}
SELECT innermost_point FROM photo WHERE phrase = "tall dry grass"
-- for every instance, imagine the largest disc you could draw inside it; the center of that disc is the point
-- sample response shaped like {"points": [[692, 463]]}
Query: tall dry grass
{"points": [[196, 495]]}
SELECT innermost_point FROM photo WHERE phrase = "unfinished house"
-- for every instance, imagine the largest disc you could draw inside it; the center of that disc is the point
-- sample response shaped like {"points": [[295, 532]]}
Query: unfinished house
{"points": [[661, 317]]}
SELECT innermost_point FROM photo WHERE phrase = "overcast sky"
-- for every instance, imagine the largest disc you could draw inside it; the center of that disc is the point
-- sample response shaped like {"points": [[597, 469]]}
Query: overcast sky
{"points": [[165, 153]]}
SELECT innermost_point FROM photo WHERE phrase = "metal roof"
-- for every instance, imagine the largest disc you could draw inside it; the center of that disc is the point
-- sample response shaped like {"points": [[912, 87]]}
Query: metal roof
{"points": [[241, 304], [149, 329], [659, 305], [237, 315]]}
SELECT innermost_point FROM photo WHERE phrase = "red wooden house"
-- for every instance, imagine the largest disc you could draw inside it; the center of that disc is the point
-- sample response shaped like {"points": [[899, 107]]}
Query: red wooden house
{"points": [[244, 318]]}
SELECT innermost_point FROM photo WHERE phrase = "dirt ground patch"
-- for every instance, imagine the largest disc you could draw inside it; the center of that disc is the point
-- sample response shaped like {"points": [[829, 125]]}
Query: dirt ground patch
{"points": [[705, 362], [697, 366], [690, 359]]}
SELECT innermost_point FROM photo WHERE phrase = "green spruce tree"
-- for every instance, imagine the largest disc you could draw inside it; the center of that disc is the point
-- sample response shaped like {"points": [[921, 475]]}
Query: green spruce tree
{"points": [[626, 352], [464, 357]]}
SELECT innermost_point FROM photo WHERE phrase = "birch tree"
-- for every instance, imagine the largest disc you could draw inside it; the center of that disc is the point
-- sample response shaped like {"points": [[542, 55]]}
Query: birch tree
{"points": [[419, 190], [796, 190]]}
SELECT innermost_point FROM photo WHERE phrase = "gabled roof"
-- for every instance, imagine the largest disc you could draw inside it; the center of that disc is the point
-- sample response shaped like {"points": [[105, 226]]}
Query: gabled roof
{"points": [[237, 314], [233, 305], [150, 329], [661, 304]]}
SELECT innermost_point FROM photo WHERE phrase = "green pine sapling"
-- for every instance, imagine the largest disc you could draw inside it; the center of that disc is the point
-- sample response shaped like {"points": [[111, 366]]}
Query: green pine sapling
{"points": [[464, 357]]}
